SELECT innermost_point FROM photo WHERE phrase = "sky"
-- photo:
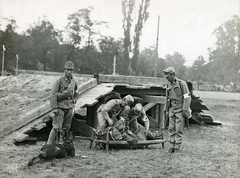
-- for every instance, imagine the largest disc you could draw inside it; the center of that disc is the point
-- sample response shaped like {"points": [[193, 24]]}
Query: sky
{"points": [[185, 26]]}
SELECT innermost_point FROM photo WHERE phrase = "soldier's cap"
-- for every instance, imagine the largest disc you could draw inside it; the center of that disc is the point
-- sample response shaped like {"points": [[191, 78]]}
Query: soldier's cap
{"points": [[137, 108], [69, 65], [128, 99], [168, 71]]}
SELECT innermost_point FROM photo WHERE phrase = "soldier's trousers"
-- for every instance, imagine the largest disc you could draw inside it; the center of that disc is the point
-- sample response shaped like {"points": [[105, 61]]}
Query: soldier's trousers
{"points": [[61, 124], [175, 129]]}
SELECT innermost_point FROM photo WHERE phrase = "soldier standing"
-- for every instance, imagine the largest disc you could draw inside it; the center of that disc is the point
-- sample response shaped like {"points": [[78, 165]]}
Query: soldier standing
{"points": [[177, 107], [63, 98]]}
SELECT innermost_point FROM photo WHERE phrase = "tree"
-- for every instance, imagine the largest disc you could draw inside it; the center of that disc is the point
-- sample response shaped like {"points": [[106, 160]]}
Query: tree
{"points": [[43, 38], [224, 57], [128, 7], [109, 48], [8, 39], [177, 61], [142, 18]]}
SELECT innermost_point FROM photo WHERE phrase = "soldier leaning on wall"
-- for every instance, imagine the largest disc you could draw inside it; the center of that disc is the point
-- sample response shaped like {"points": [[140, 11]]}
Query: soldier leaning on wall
{"points": [[177, 107]]}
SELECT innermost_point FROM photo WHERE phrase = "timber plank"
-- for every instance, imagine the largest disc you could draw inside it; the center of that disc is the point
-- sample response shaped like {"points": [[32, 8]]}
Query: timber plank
{"points": [[21, 137], [90, 97], [148, 106], [40, 126], [27, 118], [140, 80], [153, 99], [82, 127]]}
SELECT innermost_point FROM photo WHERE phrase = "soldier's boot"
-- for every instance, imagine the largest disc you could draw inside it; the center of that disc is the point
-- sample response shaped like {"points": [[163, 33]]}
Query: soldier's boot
{"points": [[172, 148], [157, 135], [52, 136], [177, 147]]}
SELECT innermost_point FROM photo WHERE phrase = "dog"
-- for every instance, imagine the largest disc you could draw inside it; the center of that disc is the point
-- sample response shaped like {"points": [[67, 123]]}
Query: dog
{"points": [[54, 151]]}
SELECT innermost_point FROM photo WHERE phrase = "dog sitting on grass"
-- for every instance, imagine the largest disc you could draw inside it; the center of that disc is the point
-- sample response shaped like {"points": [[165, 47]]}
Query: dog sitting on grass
{"points": [[54, 151]]}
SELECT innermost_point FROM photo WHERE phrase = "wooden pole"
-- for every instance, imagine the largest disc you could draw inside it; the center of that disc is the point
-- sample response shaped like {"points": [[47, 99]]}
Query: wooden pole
{"points": [[114, 65], [3, 59], [155, 66], [17, 64]]}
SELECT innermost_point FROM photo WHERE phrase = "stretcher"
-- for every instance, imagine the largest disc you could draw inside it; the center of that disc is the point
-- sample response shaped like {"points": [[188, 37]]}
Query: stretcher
{"points": [[108, 141]]}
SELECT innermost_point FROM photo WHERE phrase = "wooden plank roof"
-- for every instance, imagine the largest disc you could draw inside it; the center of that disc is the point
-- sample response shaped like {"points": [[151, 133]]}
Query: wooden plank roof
{"points": [[91, 96]]}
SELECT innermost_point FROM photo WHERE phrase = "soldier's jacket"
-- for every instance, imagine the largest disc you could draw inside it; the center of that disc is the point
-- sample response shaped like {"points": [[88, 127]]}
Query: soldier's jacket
{"points": [[64, 93], [133, 121], [178, 97], [112, 107]]}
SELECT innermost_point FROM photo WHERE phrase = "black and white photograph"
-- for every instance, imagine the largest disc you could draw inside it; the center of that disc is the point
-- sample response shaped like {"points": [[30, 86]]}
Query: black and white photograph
{"points": [[120, 88]]}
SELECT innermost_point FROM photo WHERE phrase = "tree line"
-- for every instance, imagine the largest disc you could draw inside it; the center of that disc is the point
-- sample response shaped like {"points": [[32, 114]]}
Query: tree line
{"points": [[42, 47]]}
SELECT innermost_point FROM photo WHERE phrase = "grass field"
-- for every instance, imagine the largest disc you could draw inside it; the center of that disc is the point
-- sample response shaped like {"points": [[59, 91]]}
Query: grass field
{"points": [[207, 152]]}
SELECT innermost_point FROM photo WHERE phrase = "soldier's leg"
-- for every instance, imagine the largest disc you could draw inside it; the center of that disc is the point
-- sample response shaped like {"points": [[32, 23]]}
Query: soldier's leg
{"points": [[57, 121], [68, 114], [172, 131], [179, 129], [101, 122]]}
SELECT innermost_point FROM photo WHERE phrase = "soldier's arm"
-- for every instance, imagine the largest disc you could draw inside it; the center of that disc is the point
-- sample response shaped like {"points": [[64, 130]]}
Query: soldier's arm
{"points": [[145, 120], [53, 95], [76, 93], [186, 97]]}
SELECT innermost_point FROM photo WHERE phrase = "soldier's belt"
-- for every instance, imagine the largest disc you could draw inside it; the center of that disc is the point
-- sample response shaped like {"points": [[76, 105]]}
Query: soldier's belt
{"points": [[175, 102], [69, 98]]}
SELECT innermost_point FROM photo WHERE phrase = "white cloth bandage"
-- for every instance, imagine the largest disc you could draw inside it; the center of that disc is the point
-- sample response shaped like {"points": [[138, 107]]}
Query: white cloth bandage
{"points": [[186, 95]]}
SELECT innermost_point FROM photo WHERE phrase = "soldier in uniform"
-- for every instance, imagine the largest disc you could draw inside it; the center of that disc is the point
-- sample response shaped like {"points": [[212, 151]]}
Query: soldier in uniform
{"points": [[177, 107], [63, 98], [107, 113], [136, 116]]}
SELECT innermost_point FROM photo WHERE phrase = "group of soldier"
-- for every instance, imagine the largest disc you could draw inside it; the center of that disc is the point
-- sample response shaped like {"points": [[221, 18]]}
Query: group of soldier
{"points": [[124, 118]]}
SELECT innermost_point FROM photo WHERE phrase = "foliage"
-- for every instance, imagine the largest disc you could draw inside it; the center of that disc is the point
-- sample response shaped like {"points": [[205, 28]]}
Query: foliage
{"points": [[43, 47], [128, 7], [177, 60], [224, 57], [142, 18], [8, 38]]}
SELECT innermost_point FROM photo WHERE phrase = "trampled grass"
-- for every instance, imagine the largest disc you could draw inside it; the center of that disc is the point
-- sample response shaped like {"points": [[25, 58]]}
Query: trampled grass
{"points": [[207, 151]]}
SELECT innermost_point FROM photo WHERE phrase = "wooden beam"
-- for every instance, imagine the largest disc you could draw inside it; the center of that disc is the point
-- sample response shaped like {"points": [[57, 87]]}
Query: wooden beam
{"points": [[162, 118], [82, 127], [153, 99], [21, 137], [140, 91], [136, 80], [157, 114], [148, 106]]}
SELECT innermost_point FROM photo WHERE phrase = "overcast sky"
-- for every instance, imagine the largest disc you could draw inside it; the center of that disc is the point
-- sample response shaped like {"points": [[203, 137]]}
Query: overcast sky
{"points": [[186, 26]]}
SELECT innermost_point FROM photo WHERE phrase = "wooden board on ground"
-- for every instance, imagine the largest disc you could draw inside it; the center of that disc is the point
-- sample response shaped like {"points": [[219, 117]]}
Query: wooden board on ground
{"points": [[80, 126], [27, 118]]}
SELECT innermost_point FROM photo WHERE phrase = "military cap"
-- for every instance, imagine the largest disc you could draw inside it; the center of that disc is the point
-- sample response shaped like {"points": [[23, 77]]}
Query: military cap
{"points": [[128, 99], [168, 71], [137, 108], [69, 65]]}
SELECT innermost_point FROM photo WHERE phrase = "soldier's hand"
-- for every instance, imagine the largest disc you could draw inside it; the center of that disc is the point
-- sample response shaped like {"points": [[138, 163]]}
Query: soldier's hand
{"points": [[110, 122], [166, 114], [55, 111], [185, 113]]}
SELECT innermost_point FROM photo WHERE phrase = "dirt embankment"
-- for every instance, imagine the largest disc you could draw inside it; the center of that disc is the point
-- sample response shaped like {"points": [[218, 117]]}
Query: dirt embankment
{"points": [[23, 93]]}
